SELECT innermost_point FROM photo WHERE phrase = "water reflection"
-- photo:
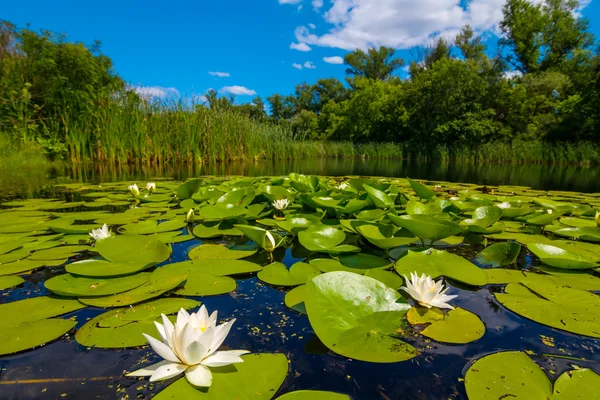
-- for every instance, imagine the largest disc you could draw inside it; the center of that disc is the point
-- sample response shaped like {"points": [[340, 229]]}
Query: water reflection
{"points": [[537, 176]]}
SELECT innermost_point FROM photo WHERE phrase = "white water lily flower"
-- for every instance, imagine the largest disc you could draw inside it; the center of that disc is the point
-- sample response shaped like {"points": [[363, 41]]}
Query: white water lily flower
{"points": [[189, 218], [281, 204], [269, 242], [190, 347], [343, 186], [549, 211], [134, 189], [151, 186], [506, 204], [427, 292], [100, 233]]}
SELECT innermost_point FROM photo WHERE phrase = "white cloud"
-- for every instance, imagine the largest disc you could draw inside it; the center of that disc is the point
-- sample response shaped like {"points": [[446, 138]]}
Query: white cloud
{"points": [[512, 74], [220, 74], [289, 1], [400, 23], [239, 90], [297, 66], [300, 46], [154, 91], [333, 60], [312, 26], [309, 65], [200, 99], [319, 3]]}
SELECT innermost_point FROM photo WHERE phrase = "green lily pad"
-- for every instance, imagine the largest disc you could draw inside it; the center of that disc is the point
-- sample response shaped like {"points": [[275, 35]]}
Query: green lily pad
{"points": [[277, 274], [457, 326], [123, 327], [25, 265], [213, 251], [576, 279], [379, 198], [7, 282], [325, 239], [151, 226], [209, 230], [74, 286], [426, 226], [385, 236], [294, 299], [313, 395], [33, 334], [133, 249], [499, 254], [560, 258], [147, 291], [388, 278], [436, 263], [204, 284], [216, 267], [66, 225], [35, 309], [512, 374], [587, 233], [357, 317], [221, 212], [58, 253], [568, 309], [359, 265], [258, 378], [421, 190], [95, 268]]}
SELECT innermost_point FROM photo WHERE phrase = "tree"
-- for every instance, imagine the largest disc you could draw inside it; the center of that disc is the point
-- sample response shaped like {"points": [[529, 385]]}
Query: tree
{"points": [[378, 64], [327, 90], [543, 36], [470, 48]]}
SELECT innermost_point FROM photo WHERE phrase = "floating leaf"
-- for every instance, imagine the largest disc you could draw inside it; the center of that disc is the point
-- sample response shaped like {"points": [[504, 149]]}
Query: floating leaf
{"points": [[258, 378], [559, 258], [213, 251], [388, 278], [123, 327], [426, 227], [385, 236], [499, 254], [74, 286], [421, 190], [35, 309], [436, 263], [313, 395], [209, 230], [379, 198], [277, 274], [7, 282], [357, 317], [456, 326], [217, 267], [33, 334], [326, 239], [294, 299], [133, 249]]}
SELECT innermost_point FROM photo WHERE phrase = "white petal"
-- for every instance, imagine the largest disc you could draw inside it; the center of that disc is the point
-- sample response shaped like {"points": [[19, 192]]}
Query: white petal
{"points": [[161, 331], [162, 349], [167, 372], [194, 353], [169, 329], [199, 376], [221, 333], [149, 370], [221, 359]]}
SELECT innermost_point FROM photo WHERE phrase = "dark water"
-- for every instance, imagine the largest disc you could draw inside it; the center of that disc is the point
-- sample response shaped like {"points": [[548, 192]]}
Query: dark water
{"points": [[537, 176], [65, 369]]}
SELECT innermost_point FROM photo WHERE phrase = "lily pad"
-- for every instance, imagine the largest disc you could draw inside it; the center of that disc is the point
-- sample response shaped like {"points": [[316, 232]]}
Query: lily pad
{"points": [[123, 327], [421, 190], [7, 282], [499, 254], [436, 263], [147, 291], [258, 377], [25, 265], [133, 249], [213, 251], [457, 326], [204, 284], [426, 226], [73, 286], [152, 226], [378, 197], [216, 267], [388, 278], [587, 233], [294, 299], [357, 317], [325, 239], [33, 334], [313, 395], [560, 258], [385, 236], [209, 230], [277, 274], [568, 309], [95, 268], [35, 309]]}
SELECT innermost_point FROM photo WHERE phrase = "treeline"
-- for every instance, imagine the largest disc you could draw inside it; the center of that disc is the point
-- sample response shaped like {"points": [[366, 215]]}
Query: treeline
{"points": [[542, 85], [536, 99]]}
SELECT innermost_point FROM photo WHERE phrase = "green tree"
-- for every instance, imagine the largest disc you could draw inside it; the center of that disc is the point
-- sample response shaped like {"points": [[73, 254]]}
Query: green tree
{"points": [[378, 64]]}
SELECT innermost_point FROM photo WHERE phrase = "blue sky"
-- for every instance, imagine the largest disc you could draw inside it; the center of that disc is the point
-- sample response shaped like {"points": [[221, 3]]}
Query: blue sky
{"points": [[261, 46]]}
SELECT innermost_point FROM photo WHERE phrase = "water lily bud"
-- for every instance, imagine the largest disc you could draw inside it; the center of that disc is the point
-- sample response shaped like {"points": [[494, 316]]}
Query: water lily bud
{"points": [[269, 242], [597, 218], [134, 190], [151, 186], [189, 218], [281, 204]]}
